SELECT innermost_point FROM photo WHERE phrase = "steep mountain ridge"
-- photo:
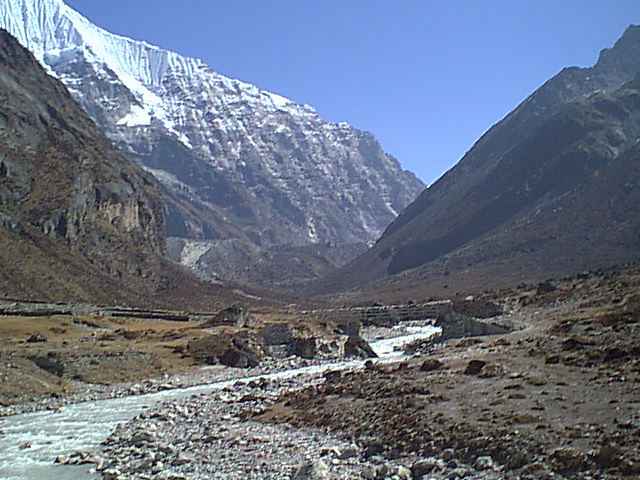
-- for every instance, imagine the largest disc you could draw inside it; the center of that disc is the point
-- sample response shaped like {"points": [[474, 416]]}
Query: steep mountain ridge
{"points": [[249, 165], [78, 221], [522, 203], [614, 67]]}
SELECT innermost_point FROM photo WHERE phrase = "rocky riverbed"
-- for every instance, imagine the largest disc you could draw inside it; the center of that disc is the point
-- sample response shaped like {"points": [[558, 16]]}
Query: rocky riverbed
{"points": [[557, 399], [212, 436], [85, 392], [36, 437]]}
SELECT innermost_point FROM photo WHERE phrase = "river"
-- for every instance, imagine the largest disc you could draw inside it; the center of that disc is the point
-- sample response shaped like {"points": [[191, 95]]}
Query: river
{"points": [[83, 426]]}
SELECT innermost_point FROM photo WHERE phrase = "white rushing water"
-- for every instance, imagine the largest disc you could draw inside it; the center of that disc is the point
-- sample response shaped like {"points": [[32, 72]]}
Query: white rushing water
{"points": [[85, 425]]}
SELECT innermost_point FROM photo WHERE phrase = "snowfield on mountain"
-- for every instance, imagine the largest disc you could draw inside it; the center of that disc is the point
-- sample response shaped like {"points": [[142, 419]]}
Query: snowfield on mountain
{"points": [[243, 163]]}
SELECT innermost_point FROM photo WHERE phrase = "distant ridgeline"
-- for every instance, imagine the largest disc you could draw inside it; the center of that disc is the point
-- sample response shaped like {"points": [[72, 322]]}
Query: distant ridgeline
{"points": [[551, 189]]}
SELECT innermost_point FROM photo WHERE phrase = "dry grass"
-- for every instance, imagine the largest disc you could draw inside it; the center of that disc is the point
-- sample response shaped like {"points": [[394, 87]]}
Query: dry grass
{"points": [[93, 350], [104, 350]]}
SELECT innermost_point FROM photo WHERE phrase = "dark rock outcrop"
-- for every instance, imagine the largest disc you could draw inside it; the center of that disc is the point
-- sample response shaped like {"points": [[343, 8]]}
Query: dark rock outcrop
{"points": [[277, 334], [350, 327], [477, 308], [87, 218], [36, 338], [238, 350], [456, 325], [238, 315], [237, 358], [474, 367], [50, 363], [357, 347], [305, 347], [430, 365]]}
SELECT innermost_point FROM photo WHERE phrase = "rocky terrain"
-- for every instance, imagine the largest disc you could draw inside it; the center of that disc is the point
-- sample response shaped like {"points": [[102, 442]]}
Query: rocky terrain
{"points": [[281, 267], [209, 436], [549, 190], [243, 166], [557, 399]]}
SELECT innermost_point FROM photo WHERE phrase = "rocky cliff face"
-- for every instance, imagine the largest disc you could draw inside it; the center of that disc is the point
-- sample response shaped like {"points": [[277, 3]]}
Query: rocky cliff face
{"points": [[247, 164], [541, 193], [62, 179], [78, 221]]}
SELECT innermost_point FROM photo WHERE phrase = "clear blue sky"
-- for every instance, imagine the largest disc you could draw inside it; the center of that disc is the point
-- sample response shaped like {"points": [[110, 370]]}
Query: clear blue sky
{"points": [[426, 77]]}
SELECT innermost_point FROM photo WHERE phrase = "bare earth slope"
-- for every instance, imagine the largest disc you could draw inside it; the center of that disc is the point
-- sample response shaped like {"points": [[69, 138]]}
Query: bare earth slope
{"points": [[551, 189]]}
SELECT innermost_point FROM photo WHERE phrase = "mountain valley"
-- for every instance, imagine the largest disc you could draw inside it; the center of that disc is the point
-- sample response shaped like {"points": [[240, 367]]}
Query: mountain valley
{"points": [[203, 279], [550, 190]]}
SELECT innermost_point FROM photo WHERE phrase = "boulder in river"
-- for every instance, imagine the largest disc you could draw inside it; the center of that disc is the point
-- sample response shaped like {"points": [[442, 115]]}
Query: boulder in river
{"points": [[357, 347]]}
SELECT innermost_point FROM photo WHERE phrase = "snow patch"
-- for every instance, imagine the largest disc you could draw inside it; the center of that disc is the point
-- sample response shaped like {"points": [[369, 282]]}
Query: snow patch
{"points": [[182, 138], [391, 209], [278, 101], [311, 228], [137, 117], [242, 293]]}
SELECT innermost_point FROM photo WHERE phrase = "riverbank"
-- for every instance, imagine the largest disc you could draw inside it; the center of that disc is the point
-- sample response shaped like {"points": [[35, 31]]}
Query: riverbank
{"points": [[29, 443], [196, 376], [559, 399], [212, 436], [49, 362]]}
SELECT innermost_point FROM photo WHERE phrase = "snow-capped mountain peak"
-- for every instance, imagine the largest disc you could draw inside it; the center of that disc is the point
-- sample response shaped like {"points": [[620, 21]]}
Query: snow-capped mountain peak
{"points": [[52, 31], [258, 164]]}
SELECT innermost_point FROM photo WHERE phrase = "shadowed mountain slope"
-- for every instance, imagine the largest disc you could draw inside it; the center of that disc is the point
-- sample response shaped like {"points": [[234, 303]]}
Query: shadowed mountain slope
{"points": [[553, 188], [78, 221]]}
